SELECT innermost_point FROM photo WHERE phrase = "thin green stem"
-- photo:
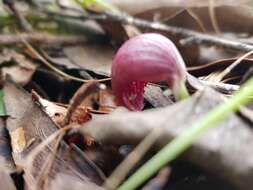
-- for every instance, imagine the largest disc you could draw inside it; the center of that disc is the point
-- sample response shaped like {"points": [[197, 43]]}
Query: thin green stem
{"points": [[2, 107], [185, 140], [180, 91]]}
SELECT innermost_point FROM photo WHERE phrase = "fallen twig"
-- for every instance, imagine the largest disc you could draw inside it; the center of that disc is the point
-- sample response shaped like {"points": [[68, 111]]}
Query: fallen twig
{"points": [[232, 66], [133, 158], [189, 36], [42, 38]]}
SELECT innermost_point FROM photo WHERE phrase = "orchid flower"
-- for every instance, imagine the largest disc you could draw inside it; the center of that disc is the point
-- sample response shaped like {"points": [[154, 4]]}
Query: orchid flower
{"points": [[146, 58]]}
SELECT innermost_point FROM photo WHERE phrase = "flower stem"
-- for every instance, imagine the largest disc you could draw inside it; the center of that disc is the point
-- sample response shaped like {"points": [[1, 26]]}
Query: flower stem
{"points": [[185, 140], [2, 106], [180, 91]]}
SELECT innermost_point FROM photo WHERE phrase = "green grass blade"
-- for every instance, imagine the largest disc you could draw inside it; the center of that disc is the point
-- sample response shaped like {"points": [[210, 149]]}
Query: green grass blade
{"points": [[98, 4], [2, 107], [184, 141]]}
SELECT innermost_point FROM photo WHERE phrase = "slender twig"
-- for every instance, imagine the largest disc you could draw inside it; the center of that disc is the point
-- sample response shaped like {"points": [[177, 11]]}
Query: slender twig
{"points": [[42, 38], [41, 179], [30, 159], [197, 19], [190, 35], [134, 157], [170, 17], [213, 17], [190, 12], [233, 65]]}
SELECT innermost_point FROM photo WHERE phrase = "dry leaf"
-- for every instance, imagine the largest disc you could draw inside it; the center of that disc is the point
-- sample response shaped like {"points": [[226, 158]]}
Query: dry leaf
{"points": [[6, 182], [34, 137], [5, 147], [26, 120], [212, 151], [66, 182], [20, 68], [92, 57], [56, 112]]}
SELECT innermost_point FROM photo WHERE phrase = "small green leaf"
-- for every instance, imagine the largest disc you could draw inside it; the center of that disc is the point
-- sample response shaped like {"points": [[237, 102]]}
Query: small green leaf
{"points": [[97, 5], [86, 3], [2, 107]]}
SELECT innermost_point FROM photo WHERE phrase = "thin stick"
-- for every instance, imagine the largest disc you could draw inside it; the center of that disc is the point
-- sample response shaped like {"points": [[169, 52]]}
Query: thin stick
{"points": [[28, 162], [233, 65], [213, 17], [191, 13], [195, 37], [123, 169], [43, 176], [170, 17], [41, 38], [197, 19]]}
